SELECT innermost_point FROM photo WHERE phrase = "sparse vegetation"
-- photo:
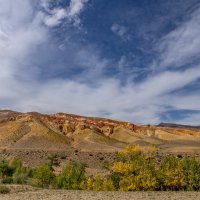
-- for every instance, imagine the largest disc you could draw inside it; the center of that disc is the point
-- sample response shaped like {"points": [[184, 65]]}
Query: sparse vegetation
{"points": [[53, 160], [134, 169], [4, 189], [13, 171]]}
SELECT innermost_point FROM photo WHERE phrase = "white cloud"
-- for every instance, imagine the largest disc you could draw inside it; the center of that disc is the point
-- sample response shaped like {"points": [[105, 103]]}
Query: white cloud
{"points": [[185, 102], [70, 13], [19, 33], [120, 30], [142, 102], [75, 7], [91, 62], [57, 15], [182, 45]]}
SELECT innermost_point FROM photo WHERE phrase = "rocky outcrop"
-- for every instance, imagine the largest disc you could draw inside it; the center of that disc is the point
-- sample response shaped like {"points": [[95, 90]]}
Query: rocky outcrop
{"points": [[107, 130]]}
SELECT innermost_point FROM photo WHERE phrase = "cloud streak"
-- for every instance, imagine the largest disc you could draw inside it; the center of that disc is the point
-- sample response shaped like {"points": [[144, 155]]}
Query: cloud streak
{"points": [[182, 45]]}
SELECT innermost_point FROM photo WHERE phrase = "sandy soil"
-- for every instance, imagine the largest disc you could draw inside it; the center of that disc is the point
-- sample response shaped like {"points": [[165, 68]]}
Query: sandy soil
{"points": [[85, 195]]}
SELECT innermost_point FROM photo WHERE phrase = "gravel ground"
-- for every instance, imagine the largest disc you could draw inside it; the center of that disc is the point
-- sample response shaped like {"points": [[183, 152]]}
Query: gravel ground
{"points": [[85, 195]]}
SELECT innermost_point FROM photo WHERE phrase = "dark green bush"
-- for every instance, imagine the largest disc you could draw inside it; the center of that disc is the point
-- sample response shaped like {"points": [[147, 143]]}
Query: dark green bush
{"points": [[53, 160], [115, 177], [5, 169]]}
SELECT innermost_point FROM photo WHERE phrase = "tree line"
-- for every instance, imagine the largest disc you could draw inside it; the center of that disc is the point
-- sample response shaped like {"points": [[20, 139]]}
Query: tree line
{"points": [[134, 169]]}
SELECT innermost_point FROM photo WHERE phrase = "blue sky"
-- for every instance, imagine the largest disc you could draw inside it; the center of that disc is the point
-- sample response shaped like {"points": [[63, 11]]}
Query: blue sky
{"points": [[132, 60]]}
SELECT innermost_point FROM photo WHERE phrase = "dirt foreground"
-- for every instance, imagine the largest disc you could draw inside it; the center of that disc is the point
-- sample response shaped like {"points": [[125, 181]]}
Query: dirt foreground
{"points": [[87, 195]]}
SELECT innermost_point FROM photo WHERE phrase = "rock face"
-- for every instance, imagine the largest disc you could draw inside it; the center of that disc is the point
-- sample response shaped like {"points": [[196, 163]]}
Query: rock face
{"points": [[63, 131]]}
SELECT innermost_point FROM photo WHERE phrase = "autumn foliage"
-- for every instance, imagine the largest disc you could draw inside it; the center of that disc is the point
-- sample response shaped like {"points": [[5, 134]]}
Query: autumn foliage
{"points": [[134, 169], [137, 169]]}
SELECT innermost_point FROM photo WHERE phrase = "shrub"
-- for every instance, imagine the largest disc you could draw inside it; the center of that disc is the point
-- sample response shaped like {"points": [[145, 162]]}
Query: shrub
{"points": [[141, 182], [5, 169], [115, 177], [71, 176], [135, 169], [92, 183], [15, 163], [191, 171], [4, 189], [43, 176], [171, 173], [97, 184], [20, 175], [53, 160], [7, 180], [20, 178], [108, 185]]}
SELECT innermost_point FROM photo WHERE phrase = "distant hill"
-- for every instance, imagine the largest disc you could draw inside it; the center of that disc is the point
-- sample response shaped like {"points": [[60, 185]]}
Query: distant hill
{"points": [[178, 126], [89, 134]]}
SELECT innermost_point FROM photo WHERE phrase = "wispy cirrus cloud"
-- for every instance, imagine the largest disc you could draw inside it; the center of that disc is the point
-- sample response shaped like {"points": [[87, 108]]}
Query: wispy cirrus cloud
{"points": [[57, 15], [182, 45], [121, 31]]}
